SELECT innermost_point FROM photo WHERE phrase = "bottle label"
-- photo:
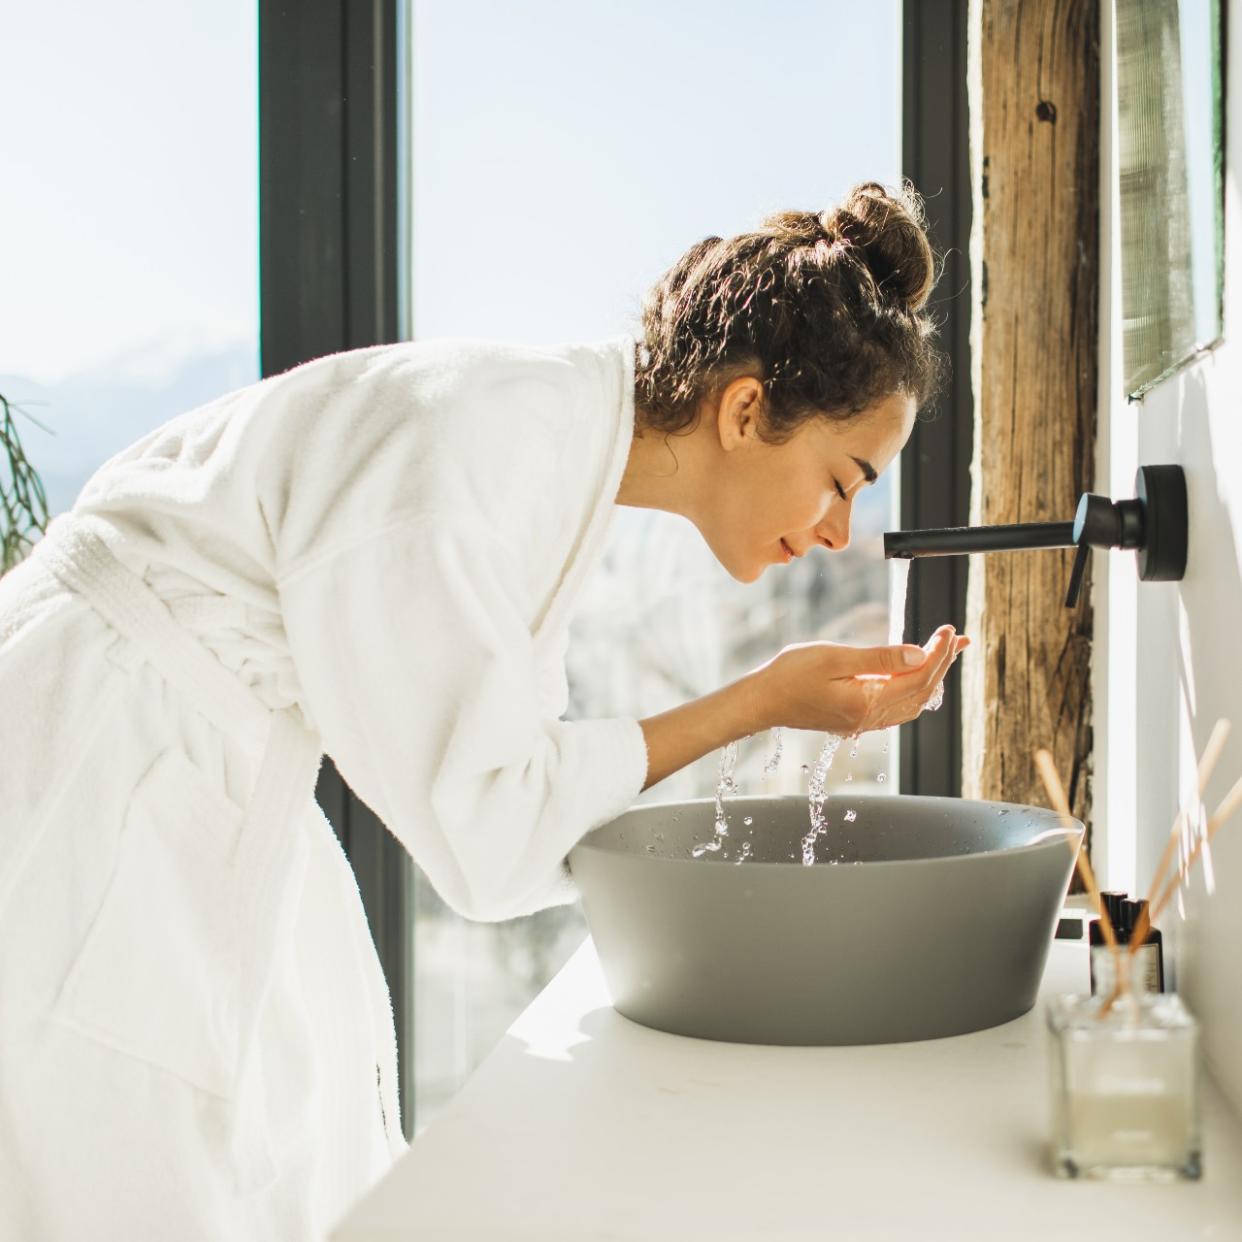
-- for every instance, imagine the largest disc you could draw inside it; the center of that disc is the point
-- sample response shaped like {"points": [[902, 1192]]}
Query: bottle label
{"points": [[1147, 967]]}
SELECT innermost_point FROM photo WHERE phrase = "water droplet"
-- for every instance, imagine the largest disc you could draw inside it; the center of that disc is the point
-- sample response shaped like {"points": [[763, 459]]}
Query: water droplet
{"points": [[774, 760], [882, 777], [849, 776], [850, 816], [805, 769], [650, 849], [748, 820]]}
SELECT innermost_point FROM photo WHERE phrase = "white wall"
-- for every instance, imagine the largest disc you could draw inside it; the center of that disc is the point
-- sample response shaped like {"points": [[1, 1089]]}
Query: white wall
{"points": [[1169, 656]]}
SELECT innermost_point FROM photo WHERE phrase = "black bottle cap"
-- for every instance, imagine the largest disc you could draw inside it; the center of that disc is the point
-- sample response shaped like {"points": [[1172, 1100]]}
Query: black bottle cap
{"points": [[1114, 904], [1134, 912]]}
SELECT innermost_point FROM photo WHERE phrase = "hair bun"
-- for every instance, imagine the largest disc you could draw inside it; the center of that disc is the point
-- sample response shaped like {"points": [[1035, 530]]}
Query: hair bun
{"points": [[888, 231]]}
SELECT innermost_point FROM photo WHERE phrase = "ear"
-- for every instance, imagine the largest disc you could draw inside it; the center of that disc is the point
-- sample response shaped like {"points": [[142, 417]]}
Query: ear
{"points": [[737, 416]]}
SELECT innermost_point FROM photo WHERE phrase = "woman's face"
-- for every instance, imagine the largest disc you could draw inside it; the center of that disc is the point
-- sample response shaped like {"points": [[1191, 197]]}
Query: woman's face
{"points": [[772, 502]]}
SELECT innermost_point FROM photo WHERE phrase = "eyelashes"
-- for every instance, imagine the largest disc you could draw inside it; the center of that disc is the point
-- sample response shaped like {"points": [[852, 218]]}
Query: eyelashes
{"points": [[840, 490]]}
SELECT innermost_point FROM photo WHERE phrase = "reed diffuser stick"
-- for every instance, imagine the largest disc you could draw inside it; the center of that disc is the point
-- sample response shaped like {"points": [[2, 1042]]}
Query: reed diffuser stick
{"points": [[1230, 803], [1056, 795], [1211, 753], [1143, 926]]}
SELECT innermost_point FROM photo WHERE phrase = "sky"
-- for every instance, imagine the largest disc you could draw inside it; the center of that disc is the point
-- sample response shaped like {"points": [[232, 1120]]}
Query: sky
{"points": [[567, 152], [563, 154], [129, 222]]}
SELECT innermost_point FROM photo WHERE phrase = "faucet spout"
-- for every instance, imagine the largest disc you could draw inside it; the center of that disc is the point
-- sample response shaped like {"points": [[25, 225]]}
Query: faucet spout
{"points": [[960, 540], [1154, 524]]}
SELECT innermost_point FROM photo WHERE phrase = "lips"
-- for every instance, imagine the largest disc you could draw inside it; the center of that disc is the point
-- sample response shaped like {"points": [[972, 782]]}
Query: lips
{"points": [[788, 551]]}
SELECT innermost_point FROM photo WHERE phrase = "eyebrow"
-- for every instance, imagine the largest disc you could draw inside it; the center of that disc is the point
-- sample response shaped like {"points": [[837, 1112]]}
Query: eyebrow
{"points": [[867, 468]]}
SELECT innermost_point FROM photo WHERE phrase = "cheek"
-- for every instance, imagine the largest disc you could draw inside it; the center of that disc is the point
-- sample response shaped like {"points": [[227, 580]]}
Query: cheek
{"points": [[799, 507]]}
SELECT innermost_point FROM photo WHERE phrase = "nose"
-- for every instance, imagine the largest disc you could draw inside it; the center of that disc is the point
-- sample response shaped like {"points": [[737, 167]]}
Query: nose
{"points": [[834, 530]]}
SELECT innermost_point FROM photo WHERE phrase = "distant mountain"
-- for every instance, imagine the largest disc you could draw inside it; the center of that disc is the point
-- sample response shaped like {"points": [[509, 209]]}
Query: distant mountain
{"points": [[95, 413]]}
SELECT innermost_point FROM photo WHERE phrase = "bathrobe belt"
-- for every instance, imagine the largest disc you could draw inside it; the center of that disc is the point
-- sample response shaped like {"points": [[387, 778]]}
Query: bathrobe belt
{"points": [[270, 851]]}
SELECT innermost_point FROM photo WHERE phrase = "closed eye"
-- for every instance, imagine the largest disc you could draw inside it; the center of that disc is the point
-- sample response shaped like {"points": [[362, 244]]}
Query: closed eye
{"points": [[840, 490]]}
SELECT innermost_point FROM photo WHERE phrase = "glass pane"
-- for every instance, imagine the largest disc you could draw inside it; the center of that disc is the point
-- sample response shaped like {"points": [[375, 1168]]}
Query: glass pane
{"points": [[551, 187], [129, 222], [1170, 163]]}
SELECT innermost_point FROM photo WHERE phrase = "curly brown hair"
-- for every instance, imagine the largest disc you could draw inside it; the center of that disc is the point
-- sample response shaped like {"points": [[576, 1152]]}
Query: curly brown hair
{"points": [[825, 308]]}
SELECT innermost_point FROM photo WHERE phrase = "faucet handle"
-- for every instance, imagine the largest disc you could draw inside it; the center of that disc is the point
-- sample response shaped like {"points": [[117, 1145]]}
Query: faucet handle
{"points": [[1102, 523], [1075, 582], [1097, 524]]}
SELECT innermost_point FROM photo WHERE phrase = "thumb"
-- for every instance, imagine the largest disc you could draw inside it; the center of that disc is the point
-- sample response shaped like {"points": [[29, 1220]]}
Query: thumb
{"points": [[900, 659]]}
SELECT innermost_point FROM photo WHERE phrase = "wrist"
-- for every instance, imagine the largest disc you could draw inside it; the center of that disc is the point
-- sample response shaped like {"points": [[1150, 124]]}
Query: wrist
{"points": [[752, 703]]}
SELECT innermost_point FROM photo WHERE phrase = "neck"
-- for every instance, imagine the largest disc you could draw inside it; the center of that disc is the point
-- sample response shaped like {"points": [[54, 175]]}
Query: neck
{"points": [[663, 472]]}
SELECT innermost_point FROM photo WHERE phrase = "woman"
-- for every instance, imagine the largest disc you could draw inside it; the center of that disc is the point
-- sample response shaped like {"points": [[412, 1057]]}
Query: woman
{"points": [[375, 555]]}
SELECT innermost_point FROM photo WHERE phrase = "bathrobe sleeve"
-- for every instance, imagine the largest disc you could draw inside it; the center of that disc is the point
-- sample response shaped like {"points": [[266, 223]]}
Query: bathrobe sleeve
{"points": [[419, 669]]}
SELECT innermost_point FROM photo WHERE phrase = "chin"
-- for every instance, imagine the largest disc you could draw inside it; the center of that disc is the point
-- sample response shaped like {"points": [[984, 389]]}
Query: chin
{"points": [[747, 573], [737, 564]]}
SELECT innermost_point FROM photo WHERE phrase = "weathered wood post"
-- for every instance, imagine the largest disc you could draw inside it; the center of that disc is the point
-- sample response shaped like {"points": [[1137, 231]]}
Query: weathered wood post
{"points": [[1035, 81]]}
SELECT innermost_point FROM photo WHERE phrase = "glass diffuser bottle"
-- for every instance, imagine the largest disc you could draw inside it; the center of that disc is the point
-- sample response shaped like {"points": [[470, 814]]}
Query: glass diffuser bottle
{"points": [[1124, 1083]]}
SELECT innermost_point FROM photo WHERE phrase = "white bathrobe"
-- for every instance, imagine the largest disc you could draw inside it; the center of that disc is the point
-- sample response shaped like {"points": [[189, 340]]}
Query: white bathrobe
{"points": [[373, 555]]}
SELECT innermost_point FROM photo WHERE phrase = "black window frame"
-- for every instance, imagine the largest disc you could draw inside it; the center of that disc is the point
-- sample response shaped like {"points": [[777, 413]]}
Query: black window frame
{"points": [[935, 465]]}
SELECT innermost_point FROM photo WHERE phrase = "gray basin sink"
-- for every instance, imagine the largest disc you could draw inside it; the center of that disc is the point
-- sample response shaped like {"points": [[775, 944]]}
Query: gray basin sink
{"points": [[923, 917]]}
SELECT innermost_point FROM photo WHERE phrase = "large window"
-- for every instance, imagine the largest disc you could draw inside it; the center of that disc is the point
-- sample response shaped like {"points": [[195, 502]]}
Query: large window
{"points": [[563, 156], [128, 223]]}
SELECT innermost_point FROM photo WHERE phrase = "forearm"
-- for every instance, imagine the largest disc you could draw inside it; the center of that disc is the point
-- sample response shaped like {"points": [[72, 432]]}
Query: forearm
{"points": [[686, 733]]}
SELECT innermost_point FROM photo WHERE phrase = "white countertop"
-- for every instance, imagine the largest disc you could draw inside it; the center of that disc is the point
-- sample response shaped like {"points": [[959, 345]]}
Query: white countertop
{"points": [[584, 1125]]}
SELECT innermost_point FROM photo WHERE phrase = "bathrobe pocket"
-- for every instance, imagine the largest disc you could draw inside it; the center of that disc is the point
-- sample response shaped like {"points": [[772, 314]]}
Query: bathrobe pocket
{"points": [[158, 972]]}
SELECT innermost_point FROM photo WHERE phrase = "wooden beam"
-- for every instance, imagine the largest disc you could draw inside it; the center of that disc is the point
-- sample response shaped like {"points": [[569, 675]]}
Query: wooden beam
{"points": [[1035, 95]]}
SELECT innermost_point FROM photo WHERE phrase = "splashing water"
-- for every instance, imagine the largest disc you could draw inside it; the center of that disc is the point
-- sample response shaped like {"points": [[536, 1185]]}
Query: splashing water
{"points": [[726, 787], [899, 580], [937, 698], [774, 759], [818, 794]]}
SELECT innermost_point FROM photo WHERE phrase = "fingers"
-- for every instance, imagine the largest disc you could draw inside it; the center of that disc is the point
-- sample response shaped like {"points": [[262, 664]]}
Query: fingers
{"points": [[914, 691], [948, 654], [903, 698], [881, 661], [900, 661]]}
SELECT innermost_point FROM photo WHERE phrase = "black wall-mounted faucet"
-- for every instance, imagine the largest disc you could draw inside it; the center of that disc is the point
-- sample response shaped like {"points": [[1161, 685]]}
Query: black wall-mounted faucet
{"points": [[1153, 523]]}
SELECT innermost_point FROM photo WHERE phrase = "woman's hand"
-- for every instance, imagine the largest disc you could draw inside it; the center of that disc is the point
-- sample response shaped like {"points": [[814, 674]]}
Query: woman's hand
{"points": [[831, 688], [821, 686]]}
